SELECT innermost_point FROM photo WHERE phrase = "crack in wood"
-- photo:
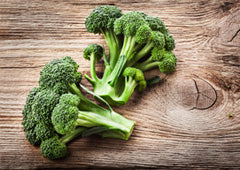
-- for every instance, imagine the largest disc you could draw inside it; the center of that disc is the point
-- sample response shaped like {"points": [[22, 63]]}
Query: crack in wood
{"points": [[195, 84], [198, 95], [234, 35]]}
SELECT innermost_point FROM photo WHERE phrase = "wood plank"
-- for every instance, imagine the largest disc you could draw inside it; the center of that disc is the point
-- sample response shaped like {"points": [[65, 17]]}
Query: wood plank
{"points": [[182, 122]]}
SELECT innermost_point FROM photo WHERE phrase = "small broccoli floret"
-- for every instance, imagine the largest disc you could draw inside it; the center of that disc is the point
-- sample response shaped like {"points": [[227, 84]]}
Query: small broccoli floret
{"points": [[44, 131], [156, 24], [102, 18], [134, 78], [55, 148], [165, 60], [170, 43], [68, 115], [168, 64], [135, 30], [93, 50], [94, 53], [68, 122], [157, 54]]}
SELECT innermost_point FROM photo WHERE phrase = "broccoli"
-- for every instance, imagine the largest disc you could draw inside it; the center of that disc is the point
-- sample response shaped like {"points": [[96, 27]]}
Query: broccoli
{"points": [[68, 114], [101, 21], [57, 107], [43, 105], [68, 77], [139, 35], [60, 75], [55, 148], [164, 60], [37, 113]]}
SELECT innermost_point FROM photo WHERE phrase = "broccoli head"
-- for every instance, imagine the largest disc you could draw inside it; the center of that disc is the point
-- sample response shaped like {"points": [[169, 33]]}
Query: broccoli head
{"points": [[165, 60], [59, 72], [43, 105], [55, 147], [102, 18]]}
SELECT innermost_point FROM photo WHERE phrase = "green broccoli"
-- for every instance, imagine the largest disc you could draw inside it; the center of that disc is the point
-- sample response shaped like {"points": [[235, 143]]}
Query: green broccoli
{"points": [[37, 113], [101, 21], [68, 78], [55, 148], [53, 105], [165, 60], [140, 35], [68, 114]]}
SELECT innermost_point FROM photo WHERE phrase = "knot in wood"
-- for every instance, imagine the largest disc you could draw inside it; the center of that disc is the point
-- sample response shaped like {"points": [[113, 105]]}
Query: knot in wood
{"points": [[194, 93]]}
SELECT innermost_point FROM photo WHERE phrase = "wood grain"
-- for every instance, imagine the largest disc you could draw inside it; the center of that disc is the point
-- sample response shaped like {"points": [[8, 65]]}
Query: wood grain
{"points": [[182, 122]]}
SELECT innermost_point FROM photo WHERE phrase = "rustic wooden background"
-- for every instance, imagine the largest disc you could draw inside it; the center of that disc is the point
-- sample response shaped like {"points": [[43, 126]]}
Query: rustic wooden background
{"points": [[181, 122]]}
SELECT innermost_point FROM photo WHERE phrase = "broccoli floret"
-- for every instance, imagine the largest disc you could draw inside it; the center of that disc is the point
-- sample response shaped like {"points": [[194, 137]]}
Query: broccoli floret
{"points": [[101, 20], [58, 74], [134, 78], [165, 60], [168, 64], [170, 43], [38, 104], [156, 24], [55, 148], [68, 115], [43, 105], [44, 131], [94, 53]]}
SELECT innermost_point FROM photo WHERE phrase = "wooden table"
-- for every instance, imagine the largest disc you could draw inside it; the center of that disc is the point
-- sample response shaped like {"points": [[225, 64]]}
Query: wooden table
{"points": [[181, 122]]}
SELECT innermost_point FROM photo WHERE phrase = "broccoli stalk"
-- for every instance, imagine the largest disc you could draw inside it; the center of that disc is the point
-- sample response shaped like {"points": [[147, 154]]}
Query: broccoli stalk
{"points": [[55, 148], [68, 114]]}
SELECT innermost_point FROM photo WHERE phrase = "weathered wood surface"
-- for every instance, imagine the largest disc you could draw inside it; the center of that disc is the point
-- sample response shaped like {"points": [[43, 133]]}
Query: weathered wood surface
{"points": [[181, 122]]}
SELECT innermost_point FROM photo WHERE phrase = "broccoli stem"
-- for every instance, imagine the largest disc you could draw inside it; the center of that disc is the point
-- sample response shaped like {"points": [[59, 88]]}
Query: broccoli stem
{"points": [[143, 52], [117, 70], [130, 85], [128, 46], [147, 65], [115, 134], [92, 69], [113, 45], [85, 103], [68, 137], [91, 114], [126, 53], [112, 120]]}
